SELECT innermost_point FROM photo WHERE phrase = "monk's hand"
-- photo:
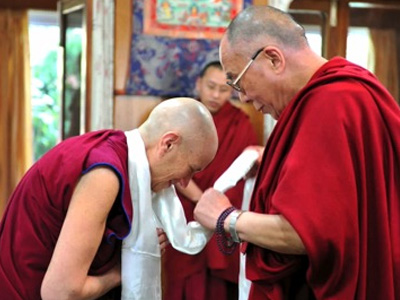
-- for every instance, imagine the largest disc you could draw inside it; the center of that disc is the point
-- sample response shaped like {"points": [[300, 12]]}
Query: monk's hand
{"points": [[210, 206], [162, 239], [114, 274], [253, 171]]}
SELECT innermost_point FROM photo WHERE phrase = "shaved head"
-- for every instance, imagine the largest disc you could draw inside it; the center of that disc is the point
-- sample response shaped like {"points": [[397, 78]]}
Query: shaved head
{"points": [[256, 24], [180, 139], [283, 59], [185, 115]]}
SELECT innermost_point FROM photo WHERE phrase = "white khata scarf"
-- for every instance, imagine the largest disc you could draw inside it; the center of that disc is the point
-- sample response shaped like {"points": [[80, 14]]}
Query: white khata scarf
{"points": [[141, 257]]}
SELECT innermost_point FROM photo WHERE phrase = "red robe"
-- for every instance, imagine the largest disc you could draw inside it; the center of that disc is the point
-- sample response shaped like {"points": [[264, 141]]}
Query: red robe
{"points": [[36, 210], [332, 168], [235, 133]]}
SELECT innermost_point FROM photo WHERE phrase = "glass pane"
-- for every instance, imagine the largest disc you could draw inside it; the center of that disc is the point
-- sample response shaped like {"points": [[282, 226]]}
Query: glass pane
{"points": [[359, 47], [314, 37], [72, 85], [44, 90]]}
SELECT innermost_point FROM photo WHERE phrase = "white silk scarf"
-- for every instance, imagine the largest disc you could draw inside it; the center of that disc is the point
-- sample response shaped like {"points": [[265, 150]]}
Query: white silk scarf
{"points": [[141, 257]]}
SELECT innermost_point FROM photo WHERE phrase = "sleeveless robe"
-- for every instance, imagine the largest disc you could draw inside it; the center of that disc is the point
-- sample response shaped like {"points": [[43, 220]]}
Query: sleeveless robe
{"points": [[36, 210]]}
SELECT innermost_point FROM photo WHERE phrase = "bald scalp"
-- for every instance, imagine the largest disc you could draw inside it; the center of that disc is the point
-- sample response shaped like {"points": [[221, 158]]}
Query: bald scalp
{"points": [[187, 116], [257, 23]]}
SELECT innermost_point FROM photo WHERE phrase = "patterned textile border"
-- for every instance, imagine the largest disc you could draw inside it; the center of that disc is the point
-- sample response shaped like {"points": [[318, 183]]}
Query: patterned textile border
{"points": [[165, 66], [189, 18]]}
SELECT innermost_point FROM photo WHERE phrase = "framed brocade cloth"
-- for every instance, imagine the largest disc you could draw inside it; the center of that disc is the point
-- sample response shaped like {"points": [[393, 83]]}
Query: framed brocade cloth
{"points": [[198, 19], [173, 40]]}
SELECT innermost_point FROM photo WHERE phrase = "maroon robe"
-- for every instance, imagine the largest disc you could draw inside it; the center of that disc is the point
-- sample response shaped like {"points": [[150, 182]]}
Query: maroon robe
{"points": [[36, 210], [332, 168], [235, 133]]}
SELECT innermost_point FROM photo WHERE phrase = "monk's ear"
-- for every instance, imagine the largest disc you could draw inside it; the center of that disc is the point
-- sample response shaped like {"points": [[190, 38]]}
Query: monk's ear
{"points": [[275, 57], [169, 141]]}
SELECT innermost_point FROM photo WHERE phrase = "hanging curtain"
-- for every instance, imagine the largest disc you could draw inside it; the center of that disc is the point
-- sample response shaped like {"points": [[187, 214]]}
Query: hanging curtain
{"points": [[102, 90], [386, 61], [15, 107]]}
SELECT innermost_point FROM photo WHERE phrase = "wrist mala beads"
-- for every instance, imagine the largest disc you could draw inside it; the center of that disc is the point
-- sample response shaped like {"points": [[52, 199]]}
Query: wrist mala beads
{"points": [[225, 243]]}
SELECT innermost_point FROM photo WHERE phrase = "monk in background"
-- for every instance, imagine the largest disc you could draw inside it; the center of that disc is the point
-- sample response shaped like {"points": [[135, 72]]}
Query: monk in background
{"points": [[210, 274], [324, 219]]}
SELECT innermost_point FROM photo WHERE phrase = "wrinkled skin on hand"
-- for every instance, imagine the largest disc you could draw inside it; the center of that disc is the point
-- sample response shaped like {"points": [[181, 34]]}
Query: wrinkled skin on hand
{"points": [[210, 206]]}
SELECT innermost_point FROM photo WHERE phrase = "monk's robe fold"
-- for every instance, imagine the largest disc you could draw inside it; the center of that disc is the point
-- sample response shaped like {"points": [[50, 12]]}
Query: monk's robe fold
{"points": [[331, 168]]}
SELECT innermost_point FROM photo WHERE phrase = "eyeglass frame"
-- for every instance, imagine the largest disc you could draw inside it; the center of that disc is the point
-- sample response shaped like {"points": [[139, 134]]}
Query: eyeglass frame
{"points": [[234, 84]]}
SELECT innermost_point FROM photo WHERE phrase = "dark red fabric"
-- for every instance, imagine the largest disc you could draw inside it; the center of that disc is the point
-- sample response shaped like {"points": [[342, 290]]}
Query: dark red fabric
{"points": [[192, 287], [219, 289], [235, 133], [332, 168], [36, 210]]}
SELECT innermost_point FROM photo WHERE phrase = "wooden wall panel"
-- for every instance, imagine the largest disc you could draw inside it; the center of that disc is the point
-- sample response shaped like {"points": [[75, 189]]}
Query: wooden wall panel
{"points": [[123, 36], [29, 4], [132, 111]]}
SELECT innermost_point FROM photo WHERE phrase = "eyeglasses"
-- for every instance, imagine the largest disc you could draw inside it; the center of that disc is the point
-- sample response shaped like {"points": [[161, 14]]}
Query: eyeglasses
{"points": [[234, 84]]}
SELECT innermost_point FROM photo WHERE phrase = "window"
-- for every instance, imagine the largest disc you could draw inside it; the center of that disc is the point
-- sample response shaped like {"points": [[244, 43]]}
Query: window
{"points": [[314, 38], [44, 35], [359, 47]]}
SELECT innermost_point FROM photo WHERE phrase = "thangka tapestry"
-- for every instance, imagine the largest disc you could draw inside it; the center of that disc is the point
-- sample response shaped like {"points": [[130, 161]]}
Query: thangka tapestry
{"points": [[173, 40], [199, 19]]}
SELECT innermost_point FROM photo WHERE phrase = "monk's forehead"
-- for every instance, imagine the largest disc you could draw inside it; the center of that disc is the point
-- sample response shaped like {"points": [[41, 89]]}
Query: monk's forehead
{"points": [[230, 57], [225, 50]]}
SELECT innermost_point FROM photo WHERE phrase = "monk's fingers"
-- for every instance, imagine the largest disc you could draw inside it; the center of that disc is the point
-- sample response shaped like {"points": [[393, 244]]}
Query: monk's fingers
{"points": [[210, 206], [162, 239]]}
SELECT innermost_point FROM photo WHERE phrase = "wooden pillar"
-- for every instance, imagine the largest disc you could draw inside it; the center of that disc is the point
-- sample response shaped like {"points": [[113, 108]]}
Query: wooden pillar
{"points": [[337, 28], [122, 48], [88, 86]]}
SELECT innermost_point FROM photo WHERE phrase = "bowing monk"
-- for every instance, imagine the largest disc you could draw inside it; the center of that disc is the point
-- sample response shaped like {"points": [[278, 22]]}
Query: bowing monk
{"points": [[324, 219], [61, 233], [209, 274]]}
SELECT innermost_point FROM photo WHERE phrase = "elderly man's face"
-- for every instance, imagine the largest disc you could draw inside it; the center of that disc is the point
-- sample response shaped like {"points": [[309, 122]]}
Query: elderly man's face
{"points": [[173, 169], [179, 165], [256, 83]]}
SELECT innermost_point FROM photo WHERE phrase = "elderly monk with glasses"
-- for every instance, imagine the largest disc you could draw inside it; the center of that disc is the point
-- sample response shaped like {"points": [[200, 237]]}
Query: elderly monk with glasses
{"points": [[324, 218]]}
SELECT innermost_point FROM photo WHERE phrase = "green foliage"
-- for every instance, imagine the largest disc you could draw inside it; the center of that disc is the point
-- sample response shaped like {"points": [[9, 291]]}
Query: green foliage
{"points": [[45, 105], [72, 87]]}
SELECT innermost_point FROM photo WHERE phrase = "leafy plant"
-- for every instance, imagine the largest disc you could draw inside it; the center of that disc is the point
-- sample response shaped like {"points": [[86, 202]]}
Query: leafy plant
{"points": [[45, 105]]}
